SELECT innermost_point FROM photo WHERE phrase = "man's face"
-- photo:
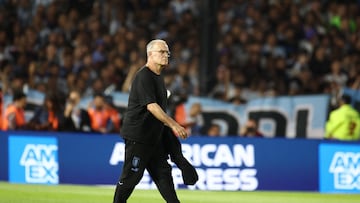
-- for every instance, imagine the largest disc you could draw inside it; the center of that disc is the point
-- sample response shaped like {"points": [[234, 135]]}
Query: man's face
{"points": [[160, 54]]}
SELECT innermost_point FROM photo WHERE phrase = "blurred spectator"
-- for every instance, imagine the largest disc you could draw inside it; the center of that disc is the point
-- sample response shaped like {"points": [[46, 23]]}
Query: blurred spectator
{"points": [[98, 56], [96, 88], [191, 120], [49, 116], [224, 88], [76, 118], [14, 115], [195, 119], [337, 80], [319, 63], [337, 75], [115, 119], [181, 80], [250, 129], [214, 130], [127, 83], [99, 115], [344, 122], [179, 112], [181, 6], [354, 76]]}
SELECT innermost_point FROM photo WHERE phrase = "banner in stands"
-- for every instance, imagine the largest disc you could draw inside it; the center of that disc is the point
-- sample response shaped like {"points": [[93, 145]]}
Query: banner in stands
{"points": [[288, 116], [230, 163], [339, 168], [298, 116]]}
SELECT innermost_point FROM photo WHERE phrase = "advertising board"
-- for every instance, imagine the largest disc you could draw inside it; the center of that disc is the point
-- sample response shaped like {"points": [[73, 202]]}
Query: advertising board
{"points": [[339, 168], [225, 163], [33, 159]]}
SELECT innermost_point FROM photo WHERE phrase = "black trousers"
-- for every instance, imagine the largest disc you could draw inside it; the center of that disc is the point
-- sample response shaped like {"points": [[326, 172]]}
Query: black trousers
{"points": [[139, 157]]}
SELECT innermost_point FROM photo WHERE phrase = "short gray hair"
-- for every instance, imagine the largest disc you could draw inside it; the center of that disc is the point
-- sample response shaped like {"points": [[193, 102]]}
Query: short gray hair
{"points": [[151, 44]]}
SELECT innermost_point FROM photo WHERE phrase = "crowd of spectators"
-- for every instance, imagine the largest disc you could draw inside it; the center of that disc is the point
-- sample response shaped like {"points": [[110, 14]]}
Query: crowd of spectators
{"points": [[268, 48], [92, 46], [100, 116], [263, 48]]}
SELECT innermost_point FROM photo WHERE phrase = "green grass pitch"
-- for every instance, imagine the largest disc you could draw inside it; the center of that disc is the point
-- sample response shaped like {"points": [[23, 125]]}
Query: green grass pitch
{"points": [[26, 193]]}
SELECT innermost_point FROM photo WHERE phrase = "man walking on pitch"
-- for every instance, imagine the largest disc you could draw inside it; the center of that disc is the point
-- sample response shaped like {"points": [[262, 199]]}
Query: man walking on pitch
{"points": [[143, 127]]}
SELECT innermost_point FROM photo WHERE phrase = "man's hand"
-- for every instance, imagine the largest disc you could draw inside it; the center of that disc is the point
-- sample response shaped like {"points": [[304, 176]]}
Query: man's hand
{"points": [[179, 131]]}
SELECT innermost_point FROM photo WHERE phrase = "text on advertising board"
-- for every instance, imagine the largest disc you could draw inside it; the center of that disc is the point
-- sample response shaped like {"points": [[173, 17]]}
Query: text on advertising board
{"points": [[220, 166], [33, 160], [346, 169]]}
